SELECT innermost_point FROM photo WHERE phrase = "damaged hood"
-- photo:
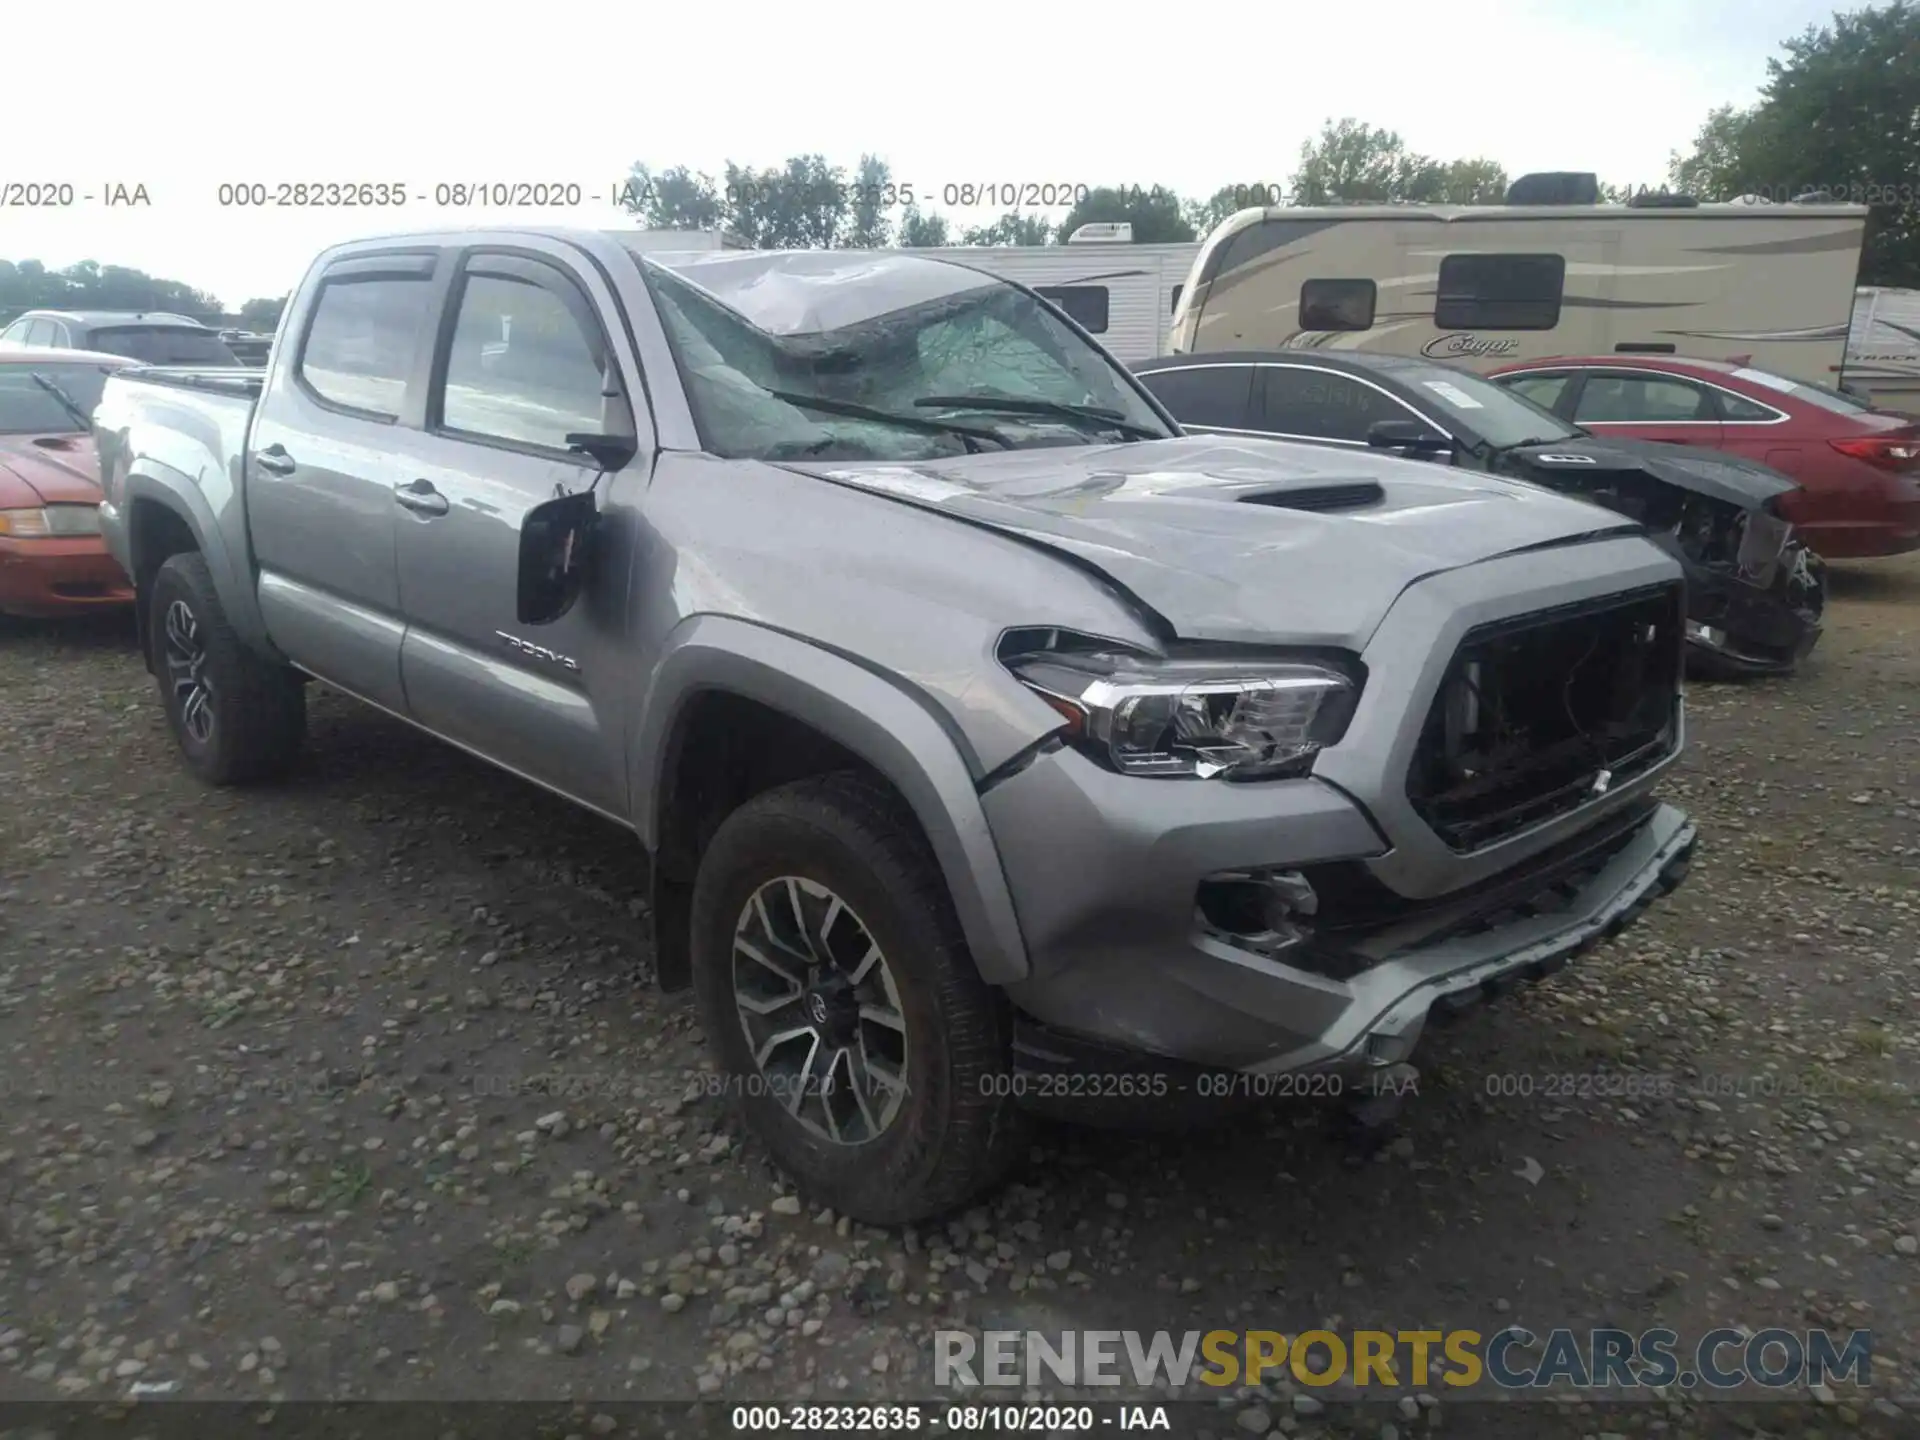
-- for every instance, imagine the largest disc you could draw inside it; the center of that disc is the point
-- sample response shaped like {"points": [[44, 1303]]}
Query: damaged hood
{"points": [[1712, 473], [1244, 540], [48, 470]]}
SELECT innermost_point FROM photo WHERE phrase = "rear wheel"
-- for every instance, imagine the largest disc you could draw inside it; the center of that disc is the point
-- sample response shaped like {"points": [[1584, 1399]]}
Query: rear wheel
{"points": [[839, 997], [238, 718]]}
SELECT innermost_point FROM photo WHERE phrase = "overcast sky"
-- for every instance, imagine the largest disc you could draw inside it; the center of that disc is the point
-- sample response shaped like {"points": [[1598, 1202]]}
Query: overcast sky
{"points": [[184, 96]]}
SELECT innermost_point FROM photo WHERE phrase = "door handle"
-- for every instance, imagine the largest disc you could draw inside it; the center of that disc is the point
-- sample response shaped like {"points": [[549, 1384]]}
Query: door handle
{"points": [[421, 498], [274, 460]]}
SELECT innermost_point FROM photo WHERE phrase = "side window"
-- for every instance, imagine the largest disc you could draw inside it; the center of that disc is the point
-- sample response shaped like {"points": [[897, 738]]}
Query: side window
{"points": [[16, 333], [1205, 396], [60, 335], [359, 347], [1086, 305], [40, 332], [1545, 389], [1294, 400], [1500, 292], [528, 364], [1641, 399], [1742, 410], [1337, 304]]}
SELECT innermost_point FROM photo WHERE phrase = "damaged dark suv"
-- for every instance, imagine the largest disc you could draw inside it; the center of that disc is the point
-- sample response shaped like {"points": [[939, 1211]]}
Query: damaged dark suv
{"points": [[1755, 592]]}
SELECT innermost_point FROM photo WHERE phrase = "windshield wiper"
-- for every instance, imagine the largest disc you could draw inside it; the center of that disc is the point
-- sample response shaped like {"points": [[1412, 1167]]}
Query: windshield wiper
{"points": [[855, 411], [65, 400], [1060, 409]]}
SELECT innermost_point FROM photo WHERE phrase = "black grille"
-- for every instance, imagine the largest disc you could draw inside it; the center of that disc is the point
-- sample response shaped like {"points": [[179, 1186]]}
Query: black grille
{"points": [[1539, 714], [1353, 496]]}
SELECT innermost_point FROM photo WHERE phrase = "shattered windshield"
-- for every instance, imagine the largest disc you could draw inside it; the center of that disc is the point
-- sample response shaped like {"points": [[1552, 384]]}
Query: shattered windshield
{"points": [[862, 356]]}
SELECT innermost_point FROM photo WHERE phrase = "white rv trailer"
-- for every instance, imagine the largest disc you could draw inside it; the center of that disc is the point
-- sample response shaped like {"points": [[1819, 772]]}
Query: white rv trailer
{"points": [[1120, 293], [1883, 348], [1484, 285]]}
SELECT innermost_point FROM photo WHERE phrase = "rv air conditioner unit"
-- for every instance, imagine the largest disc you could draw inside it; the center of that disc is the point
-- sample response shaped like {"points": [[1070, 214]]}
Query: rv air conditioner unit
{"points": [[1103, 232], [1555, 187], [1814, 197], [1662, 200]]}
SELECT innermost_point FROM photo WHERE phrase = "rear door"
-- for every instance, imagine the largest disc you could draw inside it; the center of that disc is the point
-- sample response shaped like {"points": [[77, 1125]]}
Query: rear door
{"points": [[522, 360], [320, 471], [1647, 405]]}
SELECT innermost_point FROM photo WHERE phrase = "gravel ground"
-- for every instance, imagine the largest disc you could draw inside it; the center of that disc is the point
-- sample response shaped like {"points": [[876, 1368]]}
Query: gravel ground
{"points": [[358, 1087]]}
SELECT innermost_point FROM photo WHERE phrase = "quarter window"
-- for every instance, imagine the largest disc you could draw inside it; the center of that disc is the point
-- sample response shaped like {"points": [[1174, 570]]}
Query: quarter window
{"points": [[16, 333], [1205, 396], [40, 332], [1337, 304], [1500, 292], [360, 346], [523, 368], [1322, 405], [1642, 400], [1739, 408], [1085, 305]]}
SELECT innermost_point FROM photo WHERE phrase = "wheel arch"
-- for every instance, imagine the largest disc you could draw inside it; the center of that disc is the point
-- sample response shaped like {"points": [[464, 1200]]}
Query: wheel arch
{"points": [[838, 714]]}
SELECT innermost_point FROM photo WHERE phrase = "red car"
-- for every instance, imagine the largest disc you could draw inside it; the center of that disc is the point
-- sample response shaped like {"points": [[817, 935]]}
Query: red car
{"points": [[52, 559], [1858, 468]]}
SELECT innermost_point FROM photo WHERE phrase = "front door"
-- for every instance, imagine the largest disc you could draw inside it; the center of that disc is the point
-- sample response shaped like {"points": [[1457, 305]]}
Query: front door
{"points": [[523, 363]]}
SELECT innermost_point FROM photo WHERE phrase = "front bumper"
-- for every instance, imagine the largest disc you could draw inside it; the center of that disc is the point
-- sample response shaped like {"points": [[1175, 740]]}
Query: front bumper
{"points": [[1121, 959], [60, 576], [1736, 625]]}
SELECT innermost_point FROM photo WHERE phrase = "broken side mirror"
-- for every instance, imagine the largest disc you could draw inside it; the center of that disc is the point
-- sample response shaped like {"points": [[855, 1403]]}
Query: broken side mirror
{"points": [[556, 548], [1406, 435]]}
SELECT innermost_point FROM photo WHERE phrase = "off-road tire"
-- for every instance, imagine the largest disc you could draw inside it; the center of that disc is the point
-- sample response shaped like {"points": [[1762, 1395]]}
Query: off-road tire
{"points": [[259, 707], [957, 1130]]}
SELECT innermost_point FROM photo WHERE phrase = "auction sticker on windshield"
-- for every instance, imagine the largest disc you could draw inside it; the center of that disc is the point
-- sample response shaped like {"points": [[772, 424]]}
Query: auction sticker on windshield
{"points": [[1453, 394]]}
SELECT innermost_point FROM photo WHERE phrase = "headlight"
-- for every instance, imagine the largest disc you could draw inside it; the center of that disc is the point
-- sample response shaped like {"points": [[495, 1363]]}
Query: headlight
{"points": [[50, 523], [1237, 719]]}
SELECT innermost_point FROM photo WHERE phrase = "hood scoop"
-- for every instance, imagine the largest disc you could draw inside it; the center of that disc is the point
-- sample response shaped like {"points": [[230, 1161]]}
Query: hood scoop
{"points": [[1356, 495]]}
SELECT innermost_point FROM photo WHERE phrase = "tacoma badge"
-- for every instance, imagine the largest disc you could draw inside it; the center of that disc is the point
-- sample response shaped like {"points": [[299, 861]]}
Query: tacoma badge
{"points": [[539, 652]]}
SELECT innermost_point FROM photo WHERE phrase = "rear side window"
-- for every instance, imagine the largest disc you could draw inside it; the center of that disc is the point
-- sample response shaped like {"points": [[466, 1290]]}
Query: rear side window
{"points": [[161, 345], [1500, 292], [360, 345], [1337, 304], [1642, 399], [1085, 305], [1205, 396], [1739, 408], [40, 332]]}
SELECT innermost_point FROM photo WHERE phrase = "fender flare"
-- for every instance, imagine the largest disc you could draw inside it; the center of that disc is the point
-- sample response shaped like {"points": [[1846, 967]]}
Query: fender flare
{"points": [[159, 484], [874, 717]]}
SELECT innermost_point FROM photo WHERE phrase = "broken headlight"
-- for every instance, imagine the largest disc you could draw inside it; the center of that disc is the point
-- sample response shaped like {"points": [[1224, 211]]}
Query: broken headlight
{"points": [[1240, 720]]}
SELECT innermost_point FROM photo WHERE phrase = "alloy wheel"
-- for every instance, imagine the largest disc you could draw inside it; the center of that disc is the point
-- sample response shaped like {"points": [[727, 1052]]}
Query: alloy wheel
{"points": [[820, 1010], [186, 658]]}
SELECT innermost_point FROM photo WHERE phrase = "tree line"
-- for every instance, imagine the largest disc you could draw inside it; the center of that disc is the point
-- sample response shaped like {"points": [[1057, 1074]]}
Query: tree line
{"points": [[89, 285]]}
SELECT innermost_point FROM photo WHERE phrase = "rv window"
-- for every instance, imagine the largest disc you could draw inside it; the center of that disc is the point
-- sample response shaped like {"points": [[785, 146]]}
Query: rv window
{"points": [[1176, 299], [1337, 304], [1322, 405], [1500, 292], [1086, 305], [1205, 396], [1643, 400]]}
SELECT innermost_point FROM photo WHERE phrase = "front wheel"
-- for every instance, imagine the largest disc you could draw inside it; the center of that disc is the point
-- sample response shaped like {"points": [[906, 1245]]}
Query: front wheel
{"points": [[845, 1010], [236, 716]]}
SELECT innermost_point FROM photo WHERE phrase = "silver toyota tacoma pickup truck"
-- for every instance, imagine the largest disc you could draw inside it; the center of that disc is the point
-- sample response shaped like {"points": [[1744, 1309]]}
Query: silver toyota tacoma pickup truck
{"points": [[990, 741]]}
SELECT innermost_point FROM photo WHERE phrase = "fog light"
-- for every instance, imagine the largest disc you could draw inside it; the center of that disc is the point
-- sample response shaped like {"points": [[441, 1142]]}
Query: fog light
{"points": [[1262, 910], [1708, 635]]}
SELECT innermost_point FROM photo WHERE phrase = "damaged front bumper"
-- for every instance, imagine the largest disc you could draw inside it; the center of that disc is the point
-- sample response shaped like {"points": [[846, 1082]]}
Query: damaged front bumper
{"points": [[1762, 617], [1119, 987]]}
